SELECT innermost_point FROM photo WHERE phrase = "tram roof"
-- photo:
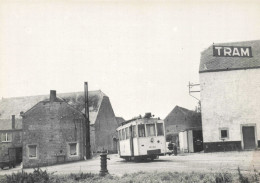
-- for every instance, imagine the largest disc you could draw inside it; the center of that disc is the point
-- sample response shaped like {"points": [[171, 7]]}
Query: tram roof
{"points": [[140, 120]]}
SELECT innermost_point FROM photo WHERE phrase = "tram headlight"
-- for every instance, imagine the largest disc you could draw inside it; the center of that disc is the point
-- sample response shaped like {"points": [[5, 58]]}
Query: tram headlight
{"points": [[152, 140]]}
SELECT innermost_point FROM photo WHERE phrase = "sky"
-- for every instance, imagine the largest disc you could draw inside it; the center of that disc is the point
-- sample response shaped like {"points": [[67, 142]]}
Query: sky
{"points": [[141, 54]]}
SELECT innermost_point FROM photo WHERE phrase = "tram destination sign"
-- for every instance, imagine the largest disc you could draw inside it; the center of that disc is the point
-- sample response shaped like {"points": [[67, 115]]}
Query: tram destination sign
{"points": [[232, 51]]}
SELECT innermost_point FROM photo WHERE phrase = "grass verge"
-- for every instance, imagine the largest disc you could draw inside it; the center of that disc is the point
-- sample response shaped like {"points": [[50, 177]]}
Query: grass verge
{"points": [[39, 176]]}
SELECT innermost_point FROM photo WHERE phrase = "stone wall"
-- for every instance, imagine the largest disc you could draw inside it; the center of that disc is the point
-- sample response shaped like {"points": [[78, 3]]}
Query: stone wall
{"points": [[52, 126], [105, 127], [16, 142]]}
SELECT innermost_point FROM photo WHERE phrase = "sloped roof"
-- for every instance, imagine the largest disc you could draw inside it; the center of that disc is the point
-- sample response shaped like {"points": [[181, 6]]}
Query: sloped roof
{"points": [[13, 106], [186, 112], [188, 118], [120, 120], [6, 124], [210, 63]]}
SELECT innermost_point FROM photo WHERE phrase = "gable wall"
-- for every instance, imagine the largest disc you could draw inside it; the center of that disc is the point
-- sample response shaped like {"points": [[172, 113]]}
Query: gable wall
{"points": [[51, 127], [105, 127], [177, 121]]}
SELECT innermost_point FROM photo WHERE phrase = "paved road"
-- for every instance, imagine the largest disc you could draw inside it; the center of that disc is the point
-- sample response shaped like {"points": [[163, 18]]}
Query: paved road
{"points": [[197, 162]]}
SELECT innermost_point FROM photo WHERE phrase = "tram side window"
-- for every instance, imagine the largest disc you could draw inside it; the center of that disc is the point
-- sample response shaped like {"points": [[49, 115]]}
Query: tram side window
{"points": [[141, 130], [134, 131], [119, 134], [123, 134], [160, 131], [127, 133], [150, 129]]}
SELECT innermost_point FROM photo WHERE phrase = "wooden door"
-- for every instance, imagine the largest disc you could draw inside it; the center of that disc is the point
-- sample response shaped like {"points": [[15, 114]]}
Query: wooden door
{"points": [[249, 137]]}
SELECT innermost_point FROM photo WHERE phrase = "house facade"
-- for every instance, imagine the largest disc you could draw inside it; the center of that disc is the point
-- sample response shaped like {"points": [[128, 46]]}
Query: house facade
{"points": [[230, 96], [53, 132], [10, 138]]}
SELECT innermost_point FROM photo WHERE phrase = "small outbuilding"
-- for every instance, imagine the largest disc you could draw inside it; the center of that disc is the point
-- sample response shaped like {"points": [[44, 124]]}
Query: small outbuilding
{"points": [[181, 121], [191, 140]]}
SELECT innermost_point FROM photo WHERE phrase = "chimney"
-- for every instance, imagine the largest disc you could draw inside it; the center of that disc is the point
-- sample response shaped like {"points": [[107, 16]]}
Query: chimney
{"points": [[13, 121], [52, 95]]}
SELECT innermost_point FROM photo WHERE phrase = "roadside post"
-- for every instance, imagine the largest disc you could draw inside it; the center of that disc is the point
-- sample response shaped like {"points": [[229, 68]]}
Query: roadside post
{"points": [[103, 161]]}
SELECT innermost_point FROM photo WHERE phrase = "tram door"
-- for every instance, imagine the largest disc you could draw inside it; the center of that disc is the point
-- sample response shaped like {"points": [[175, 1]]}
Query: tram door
{"points": [[131, 141]]}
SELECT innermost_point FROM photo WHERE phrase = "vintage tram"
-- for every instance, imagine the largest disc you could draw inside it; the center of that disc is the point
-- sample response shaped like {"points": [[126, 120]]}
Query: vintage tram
{"points": [[142, 138]]}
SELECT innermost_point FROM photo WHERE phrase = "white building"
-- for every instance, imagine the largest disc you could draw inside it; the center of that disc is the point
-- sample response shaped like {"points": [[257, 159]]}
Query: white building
{"points": [[230, 96]]}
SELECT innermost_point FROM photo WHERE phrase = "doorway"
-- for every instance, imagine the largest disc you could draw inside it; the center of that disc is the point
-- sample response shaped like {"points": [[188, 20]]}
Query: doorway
{"points": [[248, 133], [197, 140], [115, 141]]}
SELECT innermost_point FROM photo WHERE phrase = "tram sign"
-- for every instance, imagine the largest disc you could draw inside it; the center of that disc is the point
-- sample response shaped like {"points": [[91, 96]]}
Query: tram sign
{"points": [[232, 51]]}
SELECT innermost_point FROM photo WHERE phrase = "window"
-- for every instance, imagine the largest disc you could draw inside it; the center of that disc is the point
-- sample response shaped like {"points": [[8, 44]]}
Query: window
{"points": [[119, 134], [134, 131], [73, 149], [160, 131], [224, 133], [32, 151], [150, 129], [127, 133], [141, 130], [123, 134], [6, 137]]}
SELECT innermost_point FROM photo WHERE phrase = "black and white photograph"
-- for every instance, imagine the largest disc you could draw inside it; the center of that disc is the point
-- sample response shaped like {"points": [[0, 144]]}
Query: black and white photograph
{"points": [[129, 91]]}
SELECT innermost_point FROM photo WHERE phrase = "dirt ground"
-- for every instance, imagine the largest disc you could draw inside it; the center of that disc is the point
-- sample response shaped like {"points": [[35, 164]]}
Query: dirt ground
{"points": [[197, 162]]}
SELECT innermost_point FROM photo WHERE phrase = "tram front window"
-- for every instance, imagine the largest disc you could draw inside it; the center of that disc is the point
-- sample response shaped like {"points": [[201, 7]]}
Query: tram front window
{"points": [[141, 130], [150, 129], [160, 129]]}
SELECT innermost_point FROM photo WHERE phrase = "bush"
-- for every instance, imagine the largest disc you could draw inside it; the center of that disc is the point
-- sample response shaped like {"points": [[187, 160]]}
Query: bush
{"points": [[38, 176], [242, 178], [223, 177], [81, 176]]}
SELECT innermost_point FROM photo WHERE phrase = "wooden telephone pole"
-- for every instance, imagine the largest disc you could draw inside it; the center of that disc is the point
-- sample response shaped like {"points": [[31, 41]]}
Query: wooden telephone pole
{"points": [[88, 154]]}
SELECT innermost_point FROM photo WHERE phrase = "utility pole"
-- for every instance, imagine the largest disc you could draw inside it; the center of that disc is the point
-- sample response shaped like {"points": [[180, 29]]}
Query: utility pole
{"points": [[87, 121]]}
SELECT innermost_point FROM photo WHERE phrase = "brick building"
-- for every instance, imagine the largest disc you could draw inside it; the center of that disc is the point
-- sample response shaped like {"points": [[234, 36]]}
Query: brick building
{"points": [[103, 123], [180, 119], [183, 126], [10, 137], [120, 120], [53, 132], [230, 96]]}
